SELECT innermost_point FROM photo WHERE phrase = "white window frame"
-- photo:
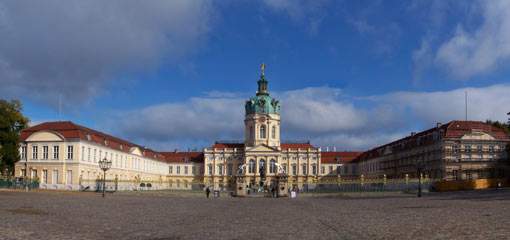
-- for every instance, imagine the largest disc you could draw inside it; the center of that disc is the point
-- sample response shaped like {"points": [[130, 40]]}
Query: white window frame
{"points": [[70, 152], [55, 153], [23, 154], [34, 152]]}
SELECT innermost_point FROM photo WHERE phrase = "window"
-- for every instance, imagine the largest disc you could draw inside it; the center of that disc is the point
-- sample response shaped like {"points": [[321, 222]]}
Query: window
{"points": [[170, 169], [314, 158], [467, 148], [100, 155], [337, 169], [34, 152], [70, 152], [354, 169], [303, 169], [479, 148], [220, 158], [45, 152], [455, 148], [314, 170], [251, 167], [273, 132], [220, 169], [455, 175], [239, 158], [230, 158], [44, 178], [468, 174], [323, 169], [55, 152], [294, 158], [303, 158], [201, 170], [211, 158], [252, 132], [210, 170], [178, 169], [262, 131], [346, 170], [229, 169], [94, 155], [23, 152], [193, 170], [54, 177], [34, 173], [69, 175], [284, 166], [185, 169], [272, 166], [480, 173], [83, 153], [491, 148], [284, 158], [294, 169], [330, 170], [262, 162]]}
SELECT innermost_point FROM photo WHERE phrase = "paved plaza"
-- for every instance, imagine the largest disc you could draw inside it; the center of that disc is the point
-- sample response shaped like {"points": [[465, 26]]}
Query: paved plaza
{"points": [[65, 215]]}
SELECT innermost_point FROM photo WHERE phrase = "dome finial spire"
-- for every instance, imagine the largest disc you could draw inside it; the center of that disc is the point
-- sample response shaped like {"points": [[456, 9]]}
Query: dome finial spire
{"points": [[262, 67]]}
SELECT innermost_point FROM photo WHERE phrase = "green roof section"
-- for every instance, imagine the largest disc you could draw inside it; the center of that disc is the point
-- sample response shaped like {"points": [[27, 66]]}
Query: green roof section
{"points": [[262, 102]]}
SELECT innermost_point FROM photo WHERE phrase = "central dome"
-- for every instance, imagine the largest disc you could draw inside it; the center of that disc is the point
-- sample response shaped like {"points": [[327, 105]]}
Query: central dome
{"points": [[262, 103]]}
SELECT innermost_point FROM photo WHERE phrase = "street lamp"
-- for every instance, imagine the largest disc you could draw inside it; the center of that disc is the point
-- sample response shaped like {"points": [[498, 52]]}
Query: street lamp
{"points": [[420, 164], [104, 165]]}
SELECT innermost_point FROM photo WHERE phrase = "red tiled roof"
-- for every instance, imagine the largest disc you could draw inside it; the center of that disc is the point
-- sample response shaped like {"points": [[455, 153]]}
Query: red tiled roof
{"points": [[197, 157], [228, 145], [453, 129], [291, 145], [331, 157], [71, 130]]}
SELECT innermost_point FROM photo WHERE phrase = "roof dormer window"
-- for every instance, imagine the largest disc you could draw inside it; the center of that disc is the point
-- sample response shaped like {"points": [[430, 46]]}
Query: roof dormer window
{"points": [[88, 136], [105, 142]]}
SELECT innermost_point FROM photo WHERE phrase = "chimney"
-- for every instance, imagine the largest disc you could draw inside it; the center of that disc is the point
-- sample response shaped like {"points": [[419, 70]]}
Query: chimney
{"points": [[438, 125], [413, 133]]}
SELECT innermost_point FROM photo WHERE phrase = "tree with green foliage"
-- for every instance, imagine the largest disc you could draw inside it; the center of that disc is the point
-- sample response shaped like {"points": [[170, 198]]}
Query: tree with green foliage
{"points": [[12, 122]]}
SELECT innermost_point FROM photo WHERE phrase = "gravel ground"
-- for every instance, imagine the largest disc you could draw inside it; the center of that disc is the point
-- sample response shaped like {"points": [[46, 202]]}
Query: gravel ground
{"points": [[481, 214]]}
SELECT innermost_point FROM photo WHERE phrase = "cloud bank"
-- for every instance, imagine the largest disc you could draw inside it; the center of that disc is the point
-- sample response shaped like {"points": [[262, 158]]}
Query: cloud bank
{"points": [[324, 115], [78, 47]]}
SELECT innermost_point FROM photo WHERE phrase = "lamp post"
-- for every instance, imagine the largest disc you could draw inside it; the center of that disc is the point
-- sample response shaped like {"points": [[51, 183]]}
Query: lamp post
{"points": [[104, 165], [420, 164]]}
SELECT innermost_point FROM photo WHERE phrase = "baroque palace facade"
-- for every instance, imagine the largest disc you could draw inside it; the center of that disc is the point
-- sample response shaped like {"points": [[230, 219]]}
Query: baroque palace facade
{"points": [[65, 155]]}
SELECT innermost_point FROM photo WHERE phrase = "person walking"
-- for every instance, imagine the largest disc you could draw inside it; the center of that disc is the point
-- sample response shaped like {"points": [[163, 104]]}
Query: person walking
{"points": [[273, 191], [207, 191]]}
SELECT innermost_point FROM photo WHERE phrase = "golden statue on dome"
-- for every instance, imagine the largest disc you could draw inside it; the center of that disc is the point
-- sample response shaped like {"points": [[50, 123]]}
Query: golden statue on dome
{"points": [[262, 67]]}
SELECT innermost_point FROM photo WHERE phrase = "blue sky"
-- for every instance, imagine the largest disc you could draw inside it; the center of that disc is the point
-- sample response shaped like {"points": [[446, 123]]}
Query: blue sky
{"points": [[175, 74]]}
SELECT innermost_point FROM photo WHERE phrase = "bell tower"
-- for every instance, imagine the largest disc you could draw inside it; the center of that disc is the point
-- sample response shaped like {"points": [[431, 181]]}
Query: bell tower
{"points": [[262, 118]]}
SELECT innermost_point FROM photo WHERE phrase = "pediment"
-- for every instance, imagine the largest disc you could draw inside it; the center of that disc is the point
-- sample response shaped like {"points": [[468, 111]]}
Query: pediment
{"points": [[46, 136], [478, 136], [136, 151], [262, 148]]}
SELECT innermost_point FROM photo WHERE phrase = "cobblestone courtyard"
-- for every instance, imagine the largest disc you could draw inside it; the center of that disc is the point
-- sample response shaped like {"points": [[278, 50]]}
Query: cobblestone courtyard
{"points": [[63, 215]]}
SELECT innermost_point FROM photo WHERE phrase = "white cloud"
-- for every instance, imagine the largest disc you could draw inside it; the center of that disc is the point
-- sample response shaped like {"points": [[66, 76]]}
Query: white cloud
{"points": [[324, 115], [483, 50], [79, 46]]}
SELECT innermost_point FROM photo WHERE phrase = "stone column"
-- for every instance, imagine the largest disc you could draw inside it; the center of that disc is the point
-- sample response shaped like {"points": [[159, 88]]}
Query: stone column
{"points": [[282, 181], [240, 185]]}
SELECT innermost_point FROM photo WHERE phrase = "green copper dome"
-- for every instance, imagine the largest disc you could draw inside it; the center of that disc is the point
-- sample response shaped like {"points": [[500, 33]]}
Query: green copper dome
{"points": [[262, 103]]}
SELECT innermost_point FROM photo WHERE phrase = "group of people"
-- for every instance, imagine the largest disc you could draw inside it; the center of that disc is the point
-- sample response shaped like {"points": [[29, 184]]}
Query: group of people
{"points": [[273, 191]]}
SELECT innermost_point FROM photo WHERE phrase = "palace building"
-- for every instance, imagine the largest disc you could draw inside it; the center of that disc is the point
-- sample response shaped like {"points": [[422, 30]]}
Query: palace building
{"points": [[65, 155]]}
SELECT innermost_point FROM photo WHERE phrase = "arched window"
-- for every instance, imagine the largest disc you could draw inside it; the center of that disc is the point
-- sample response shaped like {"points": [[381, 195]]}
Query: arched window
{"points": [[251, 166], [272, 166], [252, 133], [262, 131], [262, 163], [273, 132]]}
